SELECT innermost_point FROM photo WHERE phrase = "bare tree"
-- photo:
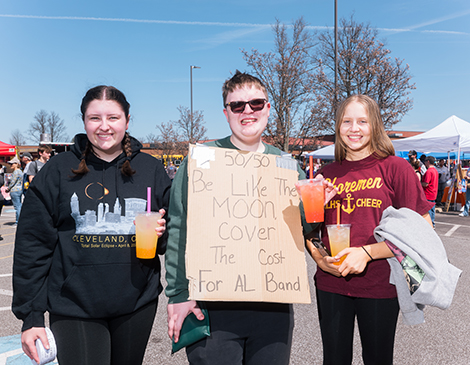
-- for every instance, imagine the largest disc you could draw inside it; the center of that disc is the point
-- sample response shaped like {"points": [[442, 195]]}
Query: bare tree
{"points": [[364, 67], [175, 135], [45, 123], [287, 73], [149, 138], [38, 126], [169, 139], [56, 128], [192, 127], [17, 138]]}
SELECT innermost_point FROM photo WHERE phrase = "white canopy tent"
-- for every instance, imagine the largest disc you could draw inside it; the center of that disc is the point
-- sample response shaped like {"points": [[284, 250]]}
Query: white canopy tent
{"points": [[465, 146], [326, 153], [452, 135]]}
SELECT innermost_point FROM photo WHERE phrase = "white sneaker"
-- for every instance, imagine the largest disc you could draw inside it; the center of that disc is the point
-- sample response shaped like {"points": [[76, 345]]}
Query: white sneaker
{"points": [[462, 215]]}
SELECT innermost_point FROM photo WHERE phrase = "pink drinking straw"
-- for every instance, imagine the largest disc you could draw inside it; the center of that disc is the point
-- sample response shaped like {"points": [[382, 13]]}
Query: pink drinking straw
{"points": [[311, 166], [149, 194], [338, 213]]}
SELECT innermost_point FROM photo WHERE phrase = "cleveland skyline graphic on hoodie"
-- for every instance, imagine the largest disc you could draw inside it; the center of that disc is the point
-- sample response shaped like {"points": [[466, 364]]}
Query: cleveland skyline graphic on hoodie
{"points": [[103, 221]]}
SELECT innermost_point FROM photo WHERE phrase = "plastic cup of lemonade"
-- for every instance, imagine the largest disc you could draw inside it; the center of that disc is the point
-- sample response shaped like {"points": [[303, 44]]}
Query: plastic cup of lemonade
{"points": [[146, 236], [313, 199], [338, 234]]}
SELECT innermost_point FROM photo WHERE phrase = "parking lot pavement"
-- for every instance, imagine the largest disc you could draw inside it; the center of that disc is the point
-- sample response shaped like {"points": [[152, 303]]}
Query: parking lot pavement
{"points": [[443, 339], [10, 341], [450, 224]]}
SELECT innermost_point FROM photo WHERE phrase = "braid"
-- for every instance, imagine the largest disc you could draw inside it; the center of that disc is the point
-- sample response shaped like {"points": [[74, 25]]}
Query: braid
{"points": [[126, 145], [126, 168], [82, 167]]}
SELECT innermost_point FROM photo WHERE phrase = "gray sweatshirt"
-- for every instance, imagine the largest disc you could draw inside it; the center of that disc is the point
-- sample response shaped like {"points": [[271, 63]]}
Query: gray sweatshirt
{"points": [[413, 235]]}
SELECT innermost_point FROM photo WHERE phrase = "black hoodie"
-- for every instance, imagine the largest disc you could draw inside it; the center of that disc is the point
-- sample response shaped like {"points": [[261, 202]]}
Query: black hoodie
{"points": [[75, 243]]}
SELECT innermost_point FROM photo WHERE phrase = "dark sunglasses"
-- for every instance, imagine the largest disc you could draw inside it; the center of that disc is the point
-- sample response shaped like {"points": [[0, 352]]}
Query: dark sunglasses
{"points": [[238, 107]]}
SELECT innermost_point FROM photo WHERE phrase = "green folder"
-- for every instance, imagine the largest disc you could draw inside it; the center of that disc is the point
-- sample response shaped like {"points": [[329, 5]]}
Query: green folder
{"points": [[192, 331]]}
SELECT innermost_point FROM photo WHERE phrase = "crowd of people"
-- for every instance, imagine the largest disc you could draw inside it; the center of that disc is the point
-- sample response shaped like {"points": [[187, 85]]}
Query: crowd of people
{"points": [[436, 176], [18, 180], [102, 301]]}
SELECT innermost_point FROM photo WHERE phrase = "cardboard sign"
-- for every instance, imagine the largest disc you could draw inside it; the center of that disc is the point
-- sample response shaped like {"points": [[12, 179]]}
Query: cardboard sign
{"points": [[244, 238]]}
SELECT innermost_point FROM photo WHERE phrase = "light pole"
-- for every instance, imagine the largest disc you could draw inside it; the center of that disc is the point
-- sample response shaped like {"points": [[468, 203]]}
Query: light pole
{"points": [[191, 87]]}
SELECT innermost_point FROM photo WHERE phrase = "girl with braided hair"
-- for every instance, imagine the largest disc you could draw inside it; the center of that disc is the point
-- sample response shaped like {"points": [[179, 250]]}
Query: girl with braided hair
{"points": [[75, 246]]}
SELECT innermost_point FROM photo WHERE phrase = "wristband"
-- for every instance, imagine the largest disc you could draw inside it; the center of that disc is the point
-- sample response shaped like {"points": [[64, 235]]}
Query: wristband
{"points": [[368, 254]]}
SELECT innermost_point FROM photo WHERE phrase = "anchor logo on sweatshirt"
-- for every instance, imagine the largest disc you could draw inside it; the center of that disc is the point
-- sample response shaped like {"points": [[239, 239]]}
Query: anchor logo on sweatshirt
{"points": [[348, 199]]}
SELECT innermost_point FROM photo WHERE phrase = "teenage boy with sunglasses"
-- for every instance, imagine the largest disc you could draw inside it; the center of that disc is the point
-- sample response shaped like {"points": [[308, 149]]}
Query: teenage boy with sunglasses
{"points": [[241, 332]]}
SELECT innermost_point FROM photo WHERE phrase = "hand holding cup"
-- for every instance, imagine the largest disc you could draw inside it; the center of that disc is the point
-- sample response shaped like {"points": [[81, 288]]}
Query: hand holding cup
{"points": [[149, 226]]}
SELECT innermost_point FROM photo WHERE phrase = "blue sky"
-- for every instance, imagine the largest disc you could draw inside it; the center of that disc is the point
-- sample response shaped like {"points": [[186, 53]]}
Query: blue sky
{"points": [[55, 50]]}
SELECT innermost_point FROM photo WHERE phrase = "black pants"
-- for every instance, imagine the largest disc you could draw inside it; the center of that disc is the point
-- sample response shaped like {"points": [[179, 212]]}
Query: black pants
{"points": [[245, 333], [115, 341], [376, 318], [440, 193]]}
